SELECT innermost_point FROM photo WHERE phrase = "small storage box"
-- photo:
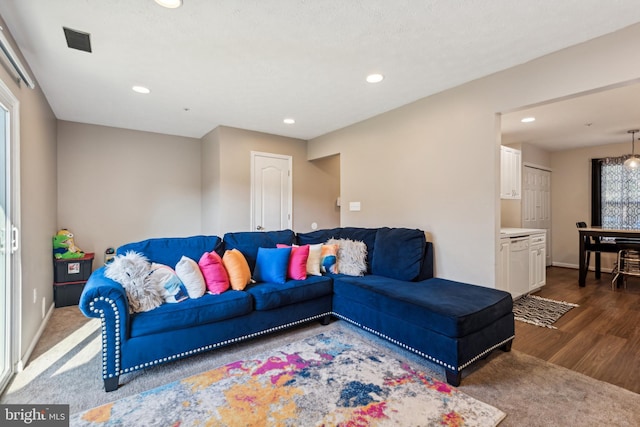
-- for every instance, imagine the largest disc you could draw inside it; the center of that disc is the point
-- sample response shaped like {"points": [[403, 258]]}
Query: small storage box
{"points": [[72, 270], [65, 294]]}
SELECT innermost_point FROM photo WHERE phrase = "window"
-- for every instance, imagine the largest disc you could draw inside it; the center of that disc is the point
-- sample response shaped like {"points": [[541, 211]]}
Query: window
{"points": [[615, 194]]}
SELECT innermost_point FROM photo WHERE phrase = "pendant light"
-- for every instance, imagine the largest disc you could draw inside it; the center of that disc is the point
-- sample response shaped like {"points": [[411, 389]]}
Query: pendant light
{"points": [[632, 162]]}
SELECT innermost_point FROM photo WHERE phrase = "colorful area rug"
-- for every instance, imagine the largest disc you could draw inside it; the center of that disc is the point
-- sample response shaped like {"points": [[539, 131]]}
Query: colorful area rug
{"points": [[540, 311], [331, 379]]}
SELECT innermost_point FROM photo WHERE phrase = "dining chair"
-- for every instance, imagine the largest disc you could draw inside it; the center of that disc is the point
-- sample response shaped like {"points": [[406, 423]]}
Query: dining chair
{"points": [[597, 246], [628, 262]]}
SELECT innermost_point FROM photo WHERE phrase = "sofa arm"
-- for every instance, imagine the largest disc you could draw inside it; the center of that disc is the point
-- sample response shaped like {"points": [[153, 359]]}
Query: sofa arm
{"points": [[101, 288], [106, 299]]}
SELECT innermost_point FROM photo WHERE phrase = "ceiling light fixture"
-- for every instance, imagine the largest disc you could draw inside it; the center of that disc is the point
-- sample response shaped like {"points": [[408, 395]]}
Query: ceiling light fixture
{"points": [[375, 78], [140, 89], [170, 4], [289, 121], [632, 162], [528, 120]]}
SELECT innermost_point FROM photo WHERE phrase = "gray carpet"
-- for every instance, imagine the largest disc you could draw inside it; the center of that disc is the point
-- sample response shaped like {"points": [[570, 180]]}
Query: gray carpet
{"points": [[65, 368]]}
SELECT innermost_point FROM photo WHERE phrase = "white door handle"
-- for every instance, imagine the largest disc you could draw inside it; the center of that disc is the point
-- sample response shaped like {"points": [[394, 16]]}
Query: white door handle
{"points": [[14, 239]]}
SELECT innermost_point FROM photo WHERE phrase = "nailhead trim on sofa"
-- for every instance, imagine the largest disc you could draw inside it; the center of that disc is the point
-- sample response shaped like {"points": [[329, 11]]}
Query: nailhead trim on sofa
{"points": [[118, 370], [100, 311], [484, 353], [426, 356]]}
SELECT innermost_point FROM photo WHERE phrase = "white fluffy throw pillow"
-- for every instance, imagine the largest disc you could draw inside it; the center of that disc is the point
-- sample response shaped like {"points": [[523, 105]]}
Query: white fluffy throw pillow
{"points": [[132, 270], [352, 256], [189, 273]]}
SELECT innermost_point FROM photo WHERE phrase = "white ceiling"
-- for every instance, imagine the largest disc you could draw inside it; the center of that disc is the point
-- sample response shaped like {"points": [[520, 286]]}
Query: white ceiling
{"points": [[598, 118], [251, 63]]}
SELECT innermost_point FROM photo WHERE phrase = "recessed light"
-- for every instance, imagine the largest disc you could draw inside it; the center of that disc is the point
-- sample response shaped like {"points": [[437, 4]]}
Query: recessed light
{"points": [[140, 89], [169, 4], [375, 78], [528, 120], [289, 121]]}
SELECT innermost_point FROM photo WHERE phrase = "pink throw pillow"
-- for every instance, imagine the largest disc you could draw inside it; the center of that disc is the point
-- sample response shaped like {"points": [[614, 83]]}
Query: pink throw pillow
{"points": [[297, 269], [215, 275]]}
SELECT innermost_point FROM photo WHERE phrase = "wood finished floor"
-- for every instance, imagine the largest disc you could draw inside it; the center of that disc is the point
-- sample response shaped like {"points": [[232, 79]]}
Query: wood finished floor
{"points": [[601, 338]]}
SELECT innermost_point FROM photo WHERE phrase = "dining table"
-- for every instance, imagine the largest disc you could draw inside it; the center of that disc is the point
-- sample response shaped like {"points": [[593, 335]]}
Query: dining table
{"points": [[600, 232]]}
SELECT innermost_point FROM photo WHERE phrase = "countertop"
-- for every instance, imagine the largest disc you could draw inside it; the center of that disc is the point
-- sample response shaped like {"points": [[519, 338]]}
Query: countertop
{"points": [[513, 232]]}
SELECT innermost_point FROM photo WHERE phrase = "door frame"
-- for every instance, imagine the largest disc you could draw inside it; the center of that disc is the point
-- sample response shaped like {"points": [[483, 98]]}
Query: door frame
{"points": [[13, 277], [254, 154]]}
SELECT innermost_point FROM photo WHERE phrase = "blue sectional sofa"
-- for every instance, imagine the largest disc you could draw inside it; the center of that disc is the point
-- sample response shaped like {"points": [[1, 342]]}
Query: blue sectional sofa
{"points": [[449, 323]]}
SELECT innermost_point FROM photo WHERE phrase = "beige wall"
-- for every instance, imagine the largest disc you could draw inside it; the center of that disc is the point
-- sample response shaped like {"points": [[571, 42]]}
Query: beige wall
{"points": [[434, 164], [571, 198], [535, 156], [211, 165], [227, 202], [38, 195], [117, 186]]}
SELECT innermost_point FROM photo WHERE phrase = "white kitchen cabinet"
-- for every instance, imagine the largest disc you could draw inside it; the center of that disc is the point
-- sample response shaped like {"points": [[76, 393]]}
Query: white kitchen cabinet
{"points": [[503, 265], [510, 173], [537, 261], [519, 258], [521, 261]]}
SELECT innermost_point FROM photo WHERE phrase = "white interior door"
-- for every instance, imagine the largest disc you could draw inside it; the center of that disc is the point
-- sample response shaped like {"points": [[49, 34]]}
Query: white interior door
{"points": [[271, 191], [536, 202]]}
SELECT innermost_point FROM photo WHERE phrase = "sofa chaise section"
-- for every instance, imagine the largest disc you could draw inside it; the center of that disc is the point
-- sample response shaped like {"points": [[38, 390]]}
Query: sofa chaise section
{"points": [[450, 323]]}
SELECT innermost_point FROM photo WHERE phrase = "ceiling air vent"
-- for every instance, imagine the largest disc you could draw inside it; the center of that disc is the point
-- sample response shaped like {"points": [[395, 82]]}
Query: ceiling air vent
{"points": [[77, 39]]}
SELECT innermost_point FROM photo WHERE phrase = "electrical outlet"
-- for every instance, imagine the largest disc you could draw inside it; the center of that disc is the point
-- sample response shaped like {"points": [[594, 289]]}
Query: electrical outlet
{"points": [[35, 295]]}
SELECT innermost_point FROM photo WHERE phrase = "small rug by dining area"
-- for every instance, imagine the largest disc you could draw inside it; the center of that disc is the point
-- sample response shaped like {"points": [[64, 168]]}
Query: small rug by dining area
{"points": [[540, 311], [331, 379]]}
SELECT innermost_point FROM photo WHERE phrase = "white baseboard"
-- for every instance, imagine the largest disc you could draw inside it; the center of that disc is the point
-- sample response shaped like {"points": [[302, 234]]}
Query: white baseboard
{"points": [[564, 265], [27, 354], [575, 267]]}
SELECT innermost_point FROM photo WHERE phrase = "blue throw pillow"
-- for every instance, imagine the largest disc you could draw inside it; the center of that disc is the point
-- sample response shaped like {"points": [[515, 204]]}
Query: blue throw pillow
{"points": [[248, 242], [271, 265]]}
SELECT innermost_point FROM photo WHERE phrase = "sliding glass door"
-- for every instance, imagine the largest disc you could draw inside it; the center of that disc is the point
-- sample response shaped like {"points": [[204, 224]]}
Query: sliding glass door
{"points": [[9, 217], [5, 231]]}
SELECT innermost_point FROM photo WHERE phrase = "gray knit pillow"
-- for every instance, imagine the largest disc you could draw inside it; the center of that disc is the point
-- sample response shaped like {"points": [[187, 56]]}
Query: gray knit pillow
{"points": [[352, 256]]}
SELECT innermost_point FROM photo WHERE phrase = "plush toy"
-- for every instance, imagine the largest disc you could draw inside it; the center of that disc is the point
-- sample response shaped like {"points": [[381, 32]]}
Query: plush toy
{"points": [[64, 247], [132, 270]]}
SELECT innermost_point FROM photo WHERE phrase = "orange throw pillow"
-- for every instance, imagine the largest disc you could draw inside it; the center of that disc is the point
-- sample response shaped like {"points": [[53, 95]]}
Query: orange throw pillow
{"points": [[236, 265]]}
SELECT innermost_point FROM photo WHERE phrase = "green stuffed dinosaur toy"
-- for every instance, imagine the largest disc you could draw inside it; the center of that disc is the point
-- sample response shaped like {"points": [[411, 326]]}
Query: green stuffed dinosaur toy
{"points": [[64, 247]]}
